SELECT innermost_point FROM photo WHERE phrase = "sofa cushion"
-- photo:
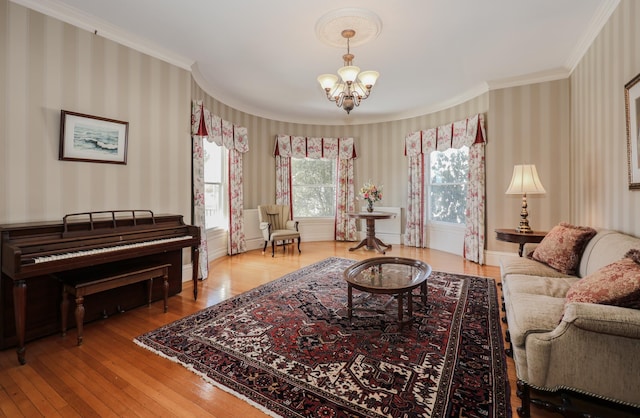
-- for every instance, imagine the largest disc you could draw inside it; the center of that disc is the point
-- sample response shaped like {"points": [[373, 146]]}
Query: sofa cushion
{"points": [[562, 246], [556, 287], [527, 266], [615, 284], [530, 313]]}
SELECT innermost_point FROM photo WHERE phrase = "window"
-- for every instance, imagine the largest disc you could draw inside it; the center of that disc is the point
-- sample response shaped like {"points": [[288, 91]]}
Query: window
{"points": [[313, 183], [214, 185], [448, 172]]}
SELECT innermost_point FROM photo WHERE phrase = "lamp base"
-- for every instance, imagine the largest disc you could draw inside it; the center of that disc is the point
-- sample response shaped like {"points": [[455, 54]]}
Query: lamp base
{"points": [[524, 227]]}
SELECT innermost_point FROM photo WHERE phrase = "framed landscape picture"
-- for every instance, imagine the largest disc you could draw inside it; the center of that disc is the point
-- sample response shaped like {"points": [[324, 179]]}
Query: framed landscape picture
{"points": [[632, 107], [92, 138]]}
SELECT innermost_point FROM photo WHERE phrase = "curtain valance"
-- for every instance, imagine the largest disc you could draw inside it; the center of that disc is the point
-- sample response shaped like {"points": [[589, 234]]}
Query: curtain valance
{"points": [[222, 132], [288, 146], [452, 135]]}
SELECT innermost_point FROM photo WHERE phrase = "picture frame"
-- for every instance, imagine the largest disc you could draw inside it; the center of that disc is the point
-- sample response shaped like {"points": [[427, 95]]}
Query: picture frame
{"points": [[632, 108], [92, 138]]}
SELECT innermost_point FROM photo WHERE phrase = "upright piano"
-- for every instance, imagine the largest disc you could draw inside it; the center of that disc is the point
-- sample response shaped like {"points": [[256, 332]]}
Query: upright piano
{"points": [[33, 253]]}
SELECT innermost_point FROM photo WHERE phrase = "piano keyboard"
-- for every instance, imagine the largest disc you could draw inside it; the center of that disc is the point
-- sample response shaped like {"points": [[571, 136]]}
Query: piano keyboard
{"points": [[62, 256]]}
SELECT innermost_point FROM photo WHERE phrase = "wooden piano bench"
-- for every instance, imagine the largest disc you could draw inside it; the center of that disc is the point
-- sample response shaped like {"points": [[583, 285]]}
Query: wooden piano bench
{"points": [[83, 283]]}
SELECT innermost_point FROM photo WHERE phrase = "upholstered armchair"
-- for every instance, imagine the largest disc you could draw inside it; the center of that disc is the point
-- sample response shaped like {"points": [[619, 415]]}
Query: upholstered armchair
{"points": [[276, 226]]}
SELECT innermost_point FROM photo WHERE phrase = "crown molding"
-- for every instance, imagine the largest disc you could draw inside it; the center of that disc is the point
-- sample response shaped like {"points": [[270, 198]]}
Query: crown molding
{"points": [[599, 19], [92, 24], [472, 93], [532, 78]]}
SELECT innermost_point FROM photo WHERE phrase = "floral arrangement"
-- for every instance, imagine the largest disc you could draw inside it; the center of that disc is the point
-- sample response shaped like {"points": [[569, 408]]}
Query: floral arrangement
{"points": [[371, 193]]}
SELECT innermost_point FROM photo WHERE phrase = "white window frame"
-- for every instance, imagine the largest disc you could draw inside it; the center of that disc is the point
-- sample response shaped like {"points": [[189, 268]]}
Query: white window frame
{"points": [[223, 184], [334, 185], [441, 235]]}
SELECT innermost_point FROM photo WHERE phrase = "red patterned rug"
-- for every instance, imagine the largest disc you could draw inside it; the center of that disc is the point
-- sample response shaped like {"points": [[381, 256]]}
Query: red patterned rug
{"points": [[288, 348]]}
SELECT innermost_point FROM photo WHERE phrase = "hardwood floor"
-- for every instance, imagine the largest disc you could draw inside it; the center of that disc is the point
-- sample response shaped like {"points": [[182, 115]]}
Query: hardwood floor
{"points": [[111, 376]]}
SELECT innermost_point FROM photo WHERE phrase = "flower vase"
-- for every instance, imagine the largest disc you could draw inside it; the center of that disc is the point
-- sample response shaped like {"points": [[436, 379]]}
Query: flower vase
{"points": [[369, 206]]}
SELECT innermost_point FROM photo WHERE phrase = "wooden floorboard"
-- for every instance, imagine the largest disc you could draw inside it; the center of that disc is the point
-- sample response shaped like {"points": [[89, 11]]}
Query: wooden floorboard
{"points": [[109, 375]]}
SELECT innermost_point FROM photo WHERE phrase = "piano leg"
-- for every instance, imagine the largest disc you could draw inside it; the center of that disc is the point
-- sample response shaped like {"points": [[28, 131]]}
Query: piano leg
{"points": [[20, 312], [64, 308], [195, 264], [165, 289], [79, 317]]}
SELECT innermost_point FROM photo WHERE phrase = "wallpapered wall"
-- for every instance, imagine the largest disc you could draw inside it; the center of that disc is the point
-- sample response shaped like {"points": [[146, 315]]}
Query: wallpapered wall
{"points": [[600, 194], [572, 129], [525, 125], [528, 125], [47, 65], [380, 147]]}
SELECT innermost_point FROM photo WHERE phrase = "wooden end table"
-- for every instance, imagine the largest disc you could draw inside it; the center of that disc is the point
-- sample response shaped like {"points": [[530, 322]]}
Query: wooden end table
{"points": [[521, 238]]}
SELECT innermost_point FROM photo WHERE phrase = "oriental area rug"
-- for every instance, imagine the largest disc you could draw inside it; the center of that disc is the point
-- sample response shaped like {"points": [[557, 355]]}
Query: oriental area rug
{"points": [[288, 348]]}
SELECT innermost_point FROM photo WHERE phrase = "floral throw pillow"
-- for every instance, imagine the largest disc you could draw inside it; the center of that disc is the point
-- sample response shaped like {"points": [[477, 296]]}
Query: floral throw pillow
{"points": [[616, 284], [562, 247]]}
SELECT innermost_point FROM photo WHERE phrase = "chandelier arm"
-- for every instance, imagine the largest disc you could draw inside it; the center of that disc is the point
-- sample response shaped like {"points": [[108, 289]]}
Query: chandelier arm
{"points": [[363, 88], [330, 97]]}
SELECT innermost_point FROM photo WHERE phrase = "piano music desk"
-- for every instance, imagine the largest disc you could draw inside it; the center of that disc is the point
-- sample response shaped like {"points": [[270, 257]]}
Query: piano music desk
{"points": [[87, 282]]}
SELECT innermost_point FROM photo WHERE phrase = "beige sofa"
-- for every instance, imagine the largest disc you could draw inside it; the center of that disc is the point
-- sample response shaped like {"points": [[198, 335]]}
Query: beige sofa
{"points": [[588, 348]]}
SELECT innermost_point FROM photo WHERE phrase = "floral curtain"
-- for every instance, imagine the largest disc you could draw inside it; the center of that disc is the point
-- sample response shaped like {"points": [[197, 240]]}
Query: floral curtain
{"points": [[235, 140], [469, 132], [341, 149], [198, 209]]}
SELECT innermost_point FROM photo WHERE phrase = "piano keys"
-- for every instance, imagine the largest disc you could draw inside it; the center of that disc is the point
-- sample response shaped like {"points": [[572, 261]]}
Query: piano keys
{"points": [[33, 252]]}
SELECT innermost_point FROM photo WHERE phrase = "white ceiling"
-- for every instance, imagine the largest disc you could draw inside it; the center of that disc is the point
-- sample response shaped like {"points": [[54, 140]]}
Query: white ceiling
{"points": [[262, 57]]}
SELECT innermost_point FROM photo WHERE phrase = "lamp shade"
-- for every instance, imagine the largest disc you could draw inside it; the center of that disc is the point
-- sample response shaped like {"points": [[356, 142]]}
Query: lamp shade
{"points": [[525, 180], [328, 81], [349, 73], [369, 78]]}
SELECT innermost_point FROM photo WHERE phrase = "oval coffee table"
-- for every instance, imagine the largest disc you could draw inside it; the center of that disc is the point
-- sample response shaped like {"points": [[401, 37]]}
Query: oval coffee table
{"points": [[388, 275]]}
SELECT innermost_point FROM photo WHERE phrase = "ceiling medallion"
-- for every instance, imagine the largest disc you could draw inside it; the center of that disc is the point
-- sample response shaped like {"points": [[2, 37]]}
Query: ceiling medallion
{"points": [[366, 24]]}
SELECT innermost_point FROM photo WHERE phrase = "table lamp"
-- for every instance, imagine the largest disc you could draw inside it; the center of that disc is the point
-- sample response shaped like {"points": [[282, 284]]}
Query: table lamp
{"points": [[525, 180]]}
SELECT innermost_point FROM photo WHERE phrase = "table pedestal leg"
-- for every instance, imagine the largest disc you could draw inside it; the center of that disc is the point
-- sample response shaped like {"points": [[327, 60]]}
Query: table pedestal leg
{"points": [[371, 241]]}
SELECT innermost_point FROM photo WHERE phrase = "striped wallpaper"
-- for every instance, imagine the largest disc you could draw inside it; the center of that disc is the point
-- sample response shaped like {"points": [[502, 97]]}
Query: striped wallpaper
{"points": [[599, 179], [47, 65], [380, 147], [528, 125], [572, 129]]}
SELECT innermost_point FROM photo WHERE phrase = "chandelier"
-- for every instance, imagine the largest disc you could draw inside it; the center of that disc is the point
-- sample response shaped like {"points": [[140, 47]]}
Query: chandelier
{"points": [[355, 86]]}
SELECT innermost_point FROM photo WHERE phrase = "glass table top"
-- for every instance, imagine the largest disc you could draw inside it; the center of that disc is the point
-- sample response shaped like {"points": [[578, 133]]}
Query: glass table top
{"points": [[387, 273]]}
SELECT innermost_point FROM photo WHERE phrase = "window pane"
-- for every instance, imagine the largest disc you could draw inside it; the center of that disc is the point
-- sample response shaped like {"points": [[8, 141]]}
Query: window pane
{"points": [[214, 187], [448, 202], [313, 172], [212, 162], [214, 215], [448, 188], [314, 187], [450, 166]]}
